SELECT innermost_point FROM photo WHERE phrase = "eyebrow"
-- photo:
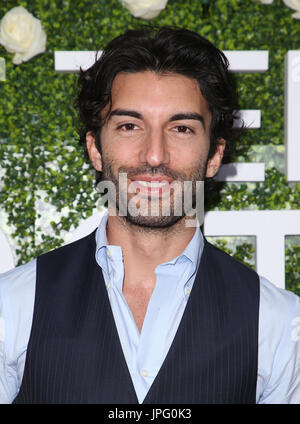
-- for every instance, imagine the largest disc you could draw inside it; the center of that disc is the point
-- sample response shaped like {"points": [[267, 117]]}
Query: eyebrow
{"points": [[188, 115], [176, 117]]}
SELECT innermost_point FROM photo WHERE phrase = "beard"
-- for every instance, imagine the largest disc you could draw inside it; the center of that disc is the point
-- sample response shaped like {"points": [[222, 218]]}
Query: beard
{"points": [[153, 212]]}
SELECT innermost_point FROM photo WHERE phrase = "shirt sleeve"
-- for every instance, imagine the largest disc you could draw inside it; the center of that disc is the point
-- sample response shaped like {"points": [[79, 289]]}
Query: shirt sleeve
{"points": [[17, 290], [279, 346]]}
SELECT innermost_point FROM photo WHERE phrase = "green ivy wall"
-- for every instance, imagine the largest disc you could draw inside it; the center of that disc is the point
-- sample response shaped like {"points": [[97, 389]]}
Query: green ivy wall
{"points": [[40, 158]]}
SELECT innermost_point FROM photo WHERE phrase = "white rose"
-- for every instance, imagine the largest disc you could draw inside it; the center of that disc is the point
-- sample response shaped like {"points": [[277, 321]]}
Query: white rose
{"points": [[21, 33], [294, 4], [145, 9]]}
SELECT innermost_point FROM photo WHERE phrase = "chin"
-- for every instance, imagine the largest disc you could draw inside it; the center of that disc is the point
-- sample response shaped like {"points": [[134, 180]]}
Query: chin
{"points": [[153, 222]]}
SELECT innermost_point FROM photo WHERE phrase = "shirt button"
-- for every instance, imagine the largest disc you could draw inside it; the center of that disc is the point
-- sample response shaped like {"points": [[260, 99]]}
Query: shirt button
{"points": [[187, 291], [108, 253], [144, 373], [108, 284]]}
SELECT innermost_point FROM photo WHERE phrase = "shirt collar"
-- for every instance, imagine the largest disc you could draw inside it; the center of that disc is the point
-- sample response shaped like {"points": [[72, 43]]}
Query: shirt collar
{"points": [[101, 239], [102, 244], [192, 251]]}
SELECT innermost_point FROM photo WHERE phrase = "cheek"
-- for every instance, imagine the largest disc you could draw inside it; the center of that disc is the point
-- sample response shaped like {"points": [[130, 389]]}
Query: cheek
{"points": [[119, 155], [190, 158]]}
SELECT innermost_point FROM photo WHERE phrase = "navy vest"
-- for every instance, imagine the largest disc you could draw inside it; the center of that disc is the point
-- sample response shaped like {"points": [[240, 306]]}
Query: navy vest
{"points": [[74, 353]]}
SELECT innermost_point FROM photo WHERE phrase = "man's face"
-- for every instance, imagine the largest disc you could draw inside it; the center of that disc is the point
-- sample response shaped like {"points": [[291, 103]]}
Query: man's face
{"points": [[157, 132]]}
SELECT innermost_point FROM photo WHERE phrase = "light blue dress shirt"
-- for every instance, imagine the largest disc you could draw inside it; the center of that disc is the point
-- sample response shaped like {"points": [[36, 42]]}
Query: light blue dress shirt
{"points": [[278, 379]]}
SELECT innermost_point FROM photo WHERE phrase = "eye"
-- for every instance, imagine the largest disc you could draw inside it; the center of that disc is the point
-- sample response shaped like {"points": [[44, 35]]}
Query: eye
{"points": [[184, 129], [127, 127]]}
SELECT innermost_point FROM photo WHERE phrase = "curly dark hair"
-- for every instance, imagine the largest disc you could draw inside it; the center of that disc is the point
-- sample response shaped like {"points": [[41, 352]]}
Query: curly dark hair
{"points": [[161, 50]]}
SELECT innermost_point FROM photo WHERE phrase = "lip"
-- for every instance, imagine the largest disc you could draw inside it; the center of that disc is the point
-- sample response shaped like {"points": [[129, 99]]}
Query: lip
{"points": [[153, 185], [149, 178]]}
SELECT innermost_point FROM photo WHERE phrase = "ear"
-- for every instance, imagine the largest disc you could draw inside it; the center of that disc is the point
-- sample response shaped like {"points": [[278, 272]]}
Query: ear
{"points": [[214, 163], [94, 155]]}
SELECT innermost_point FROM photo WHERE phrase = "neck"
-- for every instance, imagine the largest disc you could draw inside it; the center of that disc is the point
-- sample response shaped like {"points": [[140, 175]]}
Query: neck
{"points": [[149, 245]]}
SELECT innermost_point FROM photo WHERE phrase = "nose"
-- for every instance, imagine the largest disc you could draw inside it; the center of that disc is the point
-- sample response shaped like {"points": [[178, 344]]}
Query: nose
{"points": [[155, 151]]}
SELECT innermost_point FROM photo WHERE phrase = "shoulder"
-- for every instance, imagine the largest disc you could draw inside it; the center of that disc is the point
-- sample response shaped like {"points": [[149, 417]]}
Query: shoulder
{"points": [[279, 309], [235, 273], [66, 251], [18, 280], [275, 294], [222, 256]]}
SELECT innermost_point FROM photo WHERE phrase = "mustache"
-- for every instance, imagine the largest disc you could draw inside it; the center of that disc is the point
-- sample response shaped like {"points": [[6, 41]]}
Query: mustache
{"points": [[149, 170]]}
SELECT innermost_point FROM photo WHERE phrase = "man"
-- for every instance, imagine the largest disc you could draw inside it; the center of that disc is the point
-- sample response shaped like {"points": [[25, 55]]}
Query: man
{"points": [[145, 309]]}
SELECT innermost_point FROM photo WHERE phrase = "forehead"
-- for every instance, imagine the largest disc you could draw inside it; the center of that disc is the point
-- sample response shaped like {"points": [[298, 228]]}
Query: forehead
{"points": [[163, 93]]}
